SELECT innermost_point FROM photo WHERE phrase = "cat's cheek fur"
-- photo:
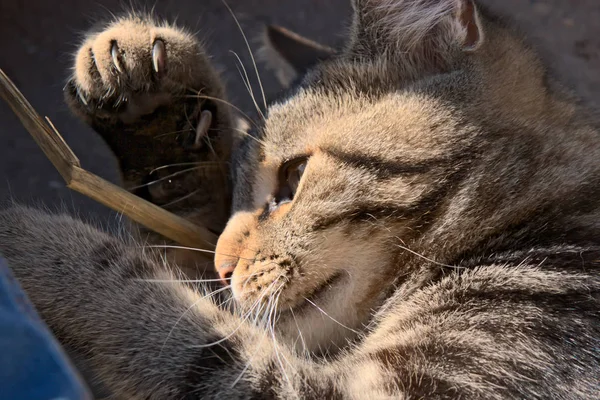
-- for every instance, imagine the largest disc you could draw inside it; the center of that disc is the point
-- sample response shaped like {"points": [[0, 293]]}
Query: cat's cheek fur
{"points": [[337, 276]]}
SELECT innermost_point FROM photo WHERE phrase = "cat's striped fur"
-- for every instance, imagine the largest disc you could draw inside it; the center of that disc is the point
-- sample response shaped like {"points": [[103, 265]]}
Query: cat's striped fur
{"points": [[419, 218]]}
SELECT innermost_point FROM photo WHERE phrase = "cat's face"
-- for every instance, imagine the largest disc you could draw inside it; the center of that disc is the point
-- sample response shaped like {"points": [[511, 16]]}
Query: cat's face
{"points": [[341, 181], [352, 174]]}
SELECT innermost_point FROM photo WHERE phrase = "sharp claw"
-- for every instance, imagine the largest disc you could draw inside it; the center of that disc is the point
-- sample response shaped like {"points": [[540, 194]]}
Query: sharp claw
{"points": [[114, 52], [82, 97], [159, 56], [202, 128]]}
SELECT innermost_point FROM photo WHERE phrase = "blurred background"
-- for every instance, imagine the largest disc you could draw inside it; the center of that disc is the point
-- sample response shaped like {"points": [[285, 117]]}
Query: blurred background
{"points": [[37, 38]]}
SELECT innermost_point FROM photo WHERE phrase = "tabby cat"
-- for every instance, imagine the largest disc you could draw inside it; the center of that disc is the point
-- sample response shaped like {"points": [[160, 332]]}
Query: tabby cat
{"points": [[418, 218]]}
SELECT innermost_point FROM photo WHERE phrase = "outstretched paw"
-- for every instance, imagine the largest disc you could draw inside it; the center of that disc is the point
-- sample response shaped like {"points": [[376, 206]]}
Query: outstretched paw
{"points": [[150, 91], [135, 66]]}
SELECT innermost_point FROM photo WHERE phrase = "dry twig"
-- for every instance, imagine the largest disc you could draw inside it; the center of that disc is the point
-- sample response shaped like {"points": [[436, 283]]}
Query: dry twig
{"points": [[58, 152]]}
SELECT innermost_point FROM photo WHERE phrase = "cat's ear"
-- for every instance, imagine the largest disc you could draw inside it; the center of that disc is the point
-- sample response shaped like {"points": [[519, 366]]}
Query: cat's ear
{"points": [[424, 32], [289, 54]]}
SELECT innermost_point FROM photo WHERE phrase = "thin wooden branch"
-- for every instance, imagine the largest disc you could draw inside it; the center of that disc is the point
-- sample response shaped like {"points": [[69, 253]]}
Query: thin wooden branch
{"points": [[62, 157]]}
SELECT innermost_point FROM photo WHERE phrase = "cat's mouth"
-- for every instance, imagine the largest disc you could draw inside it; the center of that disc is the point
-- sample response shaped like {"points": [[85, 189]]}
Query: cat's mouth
{"points": [[317, 296]]}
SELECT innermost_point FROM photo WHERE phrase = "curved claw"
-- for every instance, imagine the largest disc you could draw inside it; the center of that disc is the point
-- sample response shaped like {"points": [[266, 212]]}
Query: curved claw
{"points": [[202, 128], [114, 52], [82, 97], [159, 56]]}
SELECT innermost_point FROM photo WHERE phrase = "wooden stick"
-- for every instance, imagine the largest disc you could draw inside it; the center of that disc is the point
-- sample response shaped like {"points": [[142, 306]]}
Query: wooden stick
{"points": [[62, 157]]}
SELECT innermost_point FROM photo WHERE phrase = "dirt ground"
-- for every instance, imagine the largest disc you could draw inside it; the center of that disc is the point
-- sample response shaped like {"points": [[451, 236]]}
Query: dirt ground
{"points": [[38, 36]]}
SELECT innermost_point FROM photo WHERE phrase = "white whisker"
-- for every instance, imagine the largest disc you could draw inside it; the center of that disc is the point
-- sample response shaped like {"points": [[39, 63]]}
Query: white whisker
{"points": [[185, 164], [181, 280], [249, 135], [258, 348], [182, 198], [187, 310], [174, 174], [333, 319], [249, 51], [304, 348], [166, 246], [278, 355], [244, 74], [239, 326], [193, 280], [199, 96], [428, 259], [253, 354]]}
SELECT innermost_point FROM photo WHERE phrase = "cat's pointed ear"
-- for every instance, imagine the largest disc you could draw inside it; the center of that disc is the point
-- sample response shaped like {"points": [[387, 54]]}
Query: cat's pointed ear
{"points": [[289, 54], [424, 32]]}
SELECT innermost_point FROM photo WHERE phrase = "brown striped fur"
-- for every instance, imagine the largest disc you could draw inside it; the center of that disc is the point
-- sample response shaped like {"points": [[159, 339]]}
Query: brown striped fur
{"points": [[442, 241]]}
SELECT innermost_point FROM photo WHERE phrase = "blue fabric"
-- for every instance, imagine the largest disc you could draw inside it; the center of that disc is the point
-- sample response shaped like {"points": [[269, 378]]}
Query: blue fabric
{"points": [[33, 366]]}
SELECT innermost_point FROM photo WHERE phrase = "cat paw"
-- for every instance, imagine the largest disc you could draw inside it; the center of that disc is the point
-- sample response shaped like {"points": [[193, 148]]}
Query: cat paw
{"points": [[150, 91], [135, 66]]}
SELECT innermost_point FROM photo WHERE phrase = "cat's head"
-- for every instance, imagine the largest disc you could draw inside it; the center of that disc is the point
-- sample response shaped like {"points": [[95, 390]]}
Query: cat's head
{"points": [[404, 150]]}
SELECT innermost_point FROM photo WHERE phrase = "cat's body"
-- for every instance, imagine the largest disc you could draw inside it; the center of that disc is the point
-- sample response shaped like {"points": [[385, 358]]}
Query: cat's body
{"points": [[419, 218]]}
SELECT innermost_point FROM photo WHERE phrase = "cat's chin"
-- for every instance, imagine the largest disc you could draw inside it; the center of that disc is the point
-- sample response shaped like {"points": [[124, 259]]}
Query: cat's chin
{"points": [[329, 308]]}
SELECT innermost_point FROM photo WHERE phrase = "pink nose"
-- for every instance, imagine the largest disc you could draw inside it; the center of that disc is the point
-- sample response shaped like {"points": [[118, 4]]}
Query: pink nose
{"points": [[225, 272]]}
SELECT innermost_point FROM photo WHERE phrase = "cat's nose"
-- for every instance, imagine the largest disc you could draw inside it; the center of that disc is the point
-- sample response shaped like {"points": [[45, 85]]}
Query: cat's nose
{"points": [[232, 243], [225, 271]]}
